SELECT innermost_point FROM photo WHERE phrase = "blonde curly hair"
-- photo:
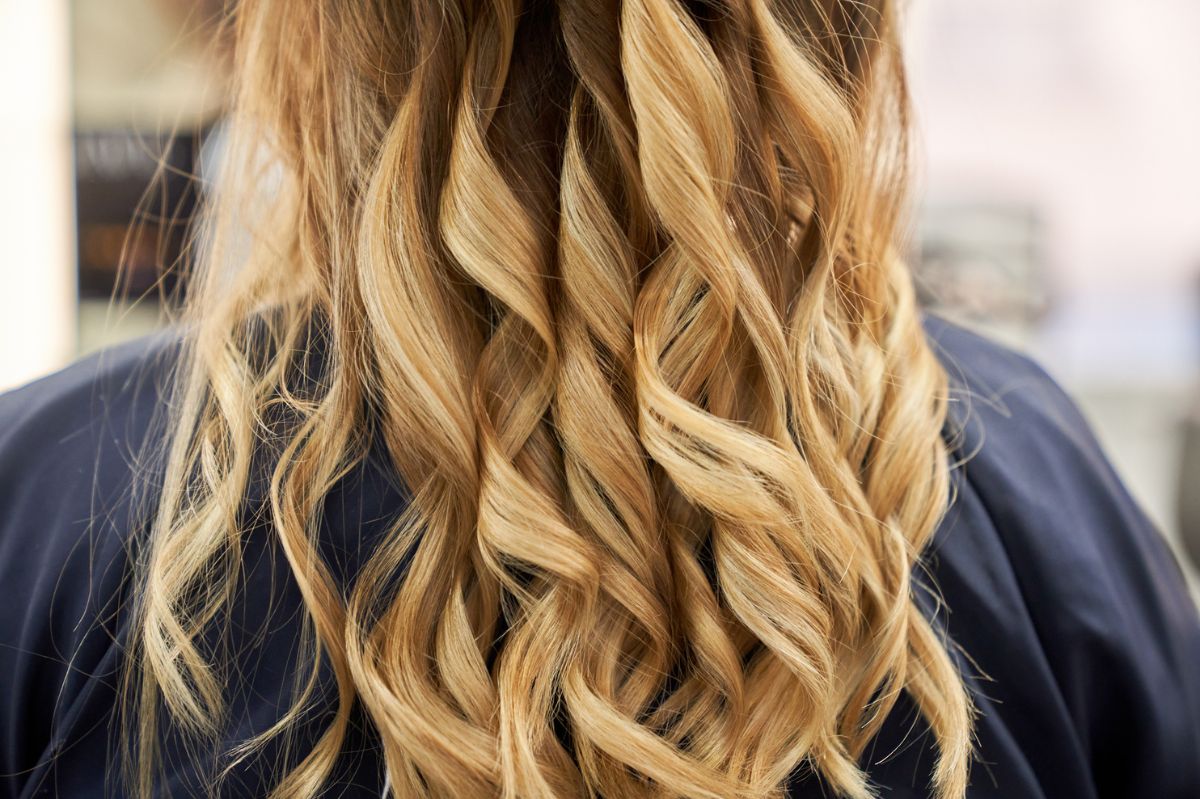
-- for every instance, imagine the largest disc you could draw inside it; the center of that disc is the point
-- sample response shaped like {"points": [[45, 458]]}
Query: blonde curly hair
{"points": [[619, 285]]}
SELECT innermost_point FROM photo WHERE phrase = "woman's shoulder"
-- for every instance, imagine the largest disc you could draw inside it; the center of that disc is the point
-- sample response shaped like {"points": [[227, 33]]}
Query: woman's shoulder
{"points": [[1026, 452], [1061, 595], [112, 384], [70, 448], [999, 384], [77, 447], [73, 441]]}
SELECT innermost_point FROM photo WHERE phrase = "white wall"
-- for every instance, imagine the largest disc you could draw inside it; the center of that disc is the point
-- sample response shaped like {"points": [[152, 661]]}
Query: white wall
{"points": [[1091, 110], [37, 266]]}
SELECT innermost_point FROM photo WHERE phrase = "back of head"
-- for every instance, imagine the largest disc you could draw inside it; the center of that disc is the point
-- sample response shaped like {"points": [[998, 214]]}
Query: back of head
{"points": [[618, 285]]}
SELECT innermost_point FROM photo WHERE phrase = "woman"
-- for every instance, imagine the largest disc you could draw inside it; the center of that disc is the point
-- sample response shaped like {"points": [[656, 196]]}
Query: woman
{"points": [[551, 417]]}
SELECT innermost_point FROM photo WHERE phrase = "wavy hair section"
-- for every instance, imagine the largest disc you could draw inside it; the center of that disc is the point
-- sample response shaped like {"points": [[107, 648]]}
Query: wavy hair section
{"points": [[618, 286]]}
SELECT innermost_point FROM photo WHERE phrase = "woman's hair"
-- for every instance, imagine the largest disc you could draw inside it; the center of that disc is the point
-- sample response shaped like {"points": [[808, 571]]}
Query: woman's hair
{"points": [[618, 287]]}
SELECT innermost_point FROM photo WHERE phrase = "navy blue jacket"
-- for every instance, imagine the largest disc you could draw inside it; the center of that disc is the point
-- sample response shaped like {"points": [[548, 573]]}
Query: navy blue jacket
{"points": [[1055, 584]]}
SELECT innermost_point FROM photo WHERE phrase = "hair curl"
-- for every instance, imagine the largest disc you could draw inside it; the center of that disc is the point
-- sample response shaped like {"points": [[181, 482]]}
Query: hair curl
{"points": [[618, 285]]}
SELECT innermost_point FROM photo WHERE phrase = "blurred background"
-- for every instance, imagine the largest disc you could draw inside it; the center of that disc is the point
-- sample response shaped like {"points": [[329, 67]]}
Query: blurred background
{"points": [[1058, 188]]}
